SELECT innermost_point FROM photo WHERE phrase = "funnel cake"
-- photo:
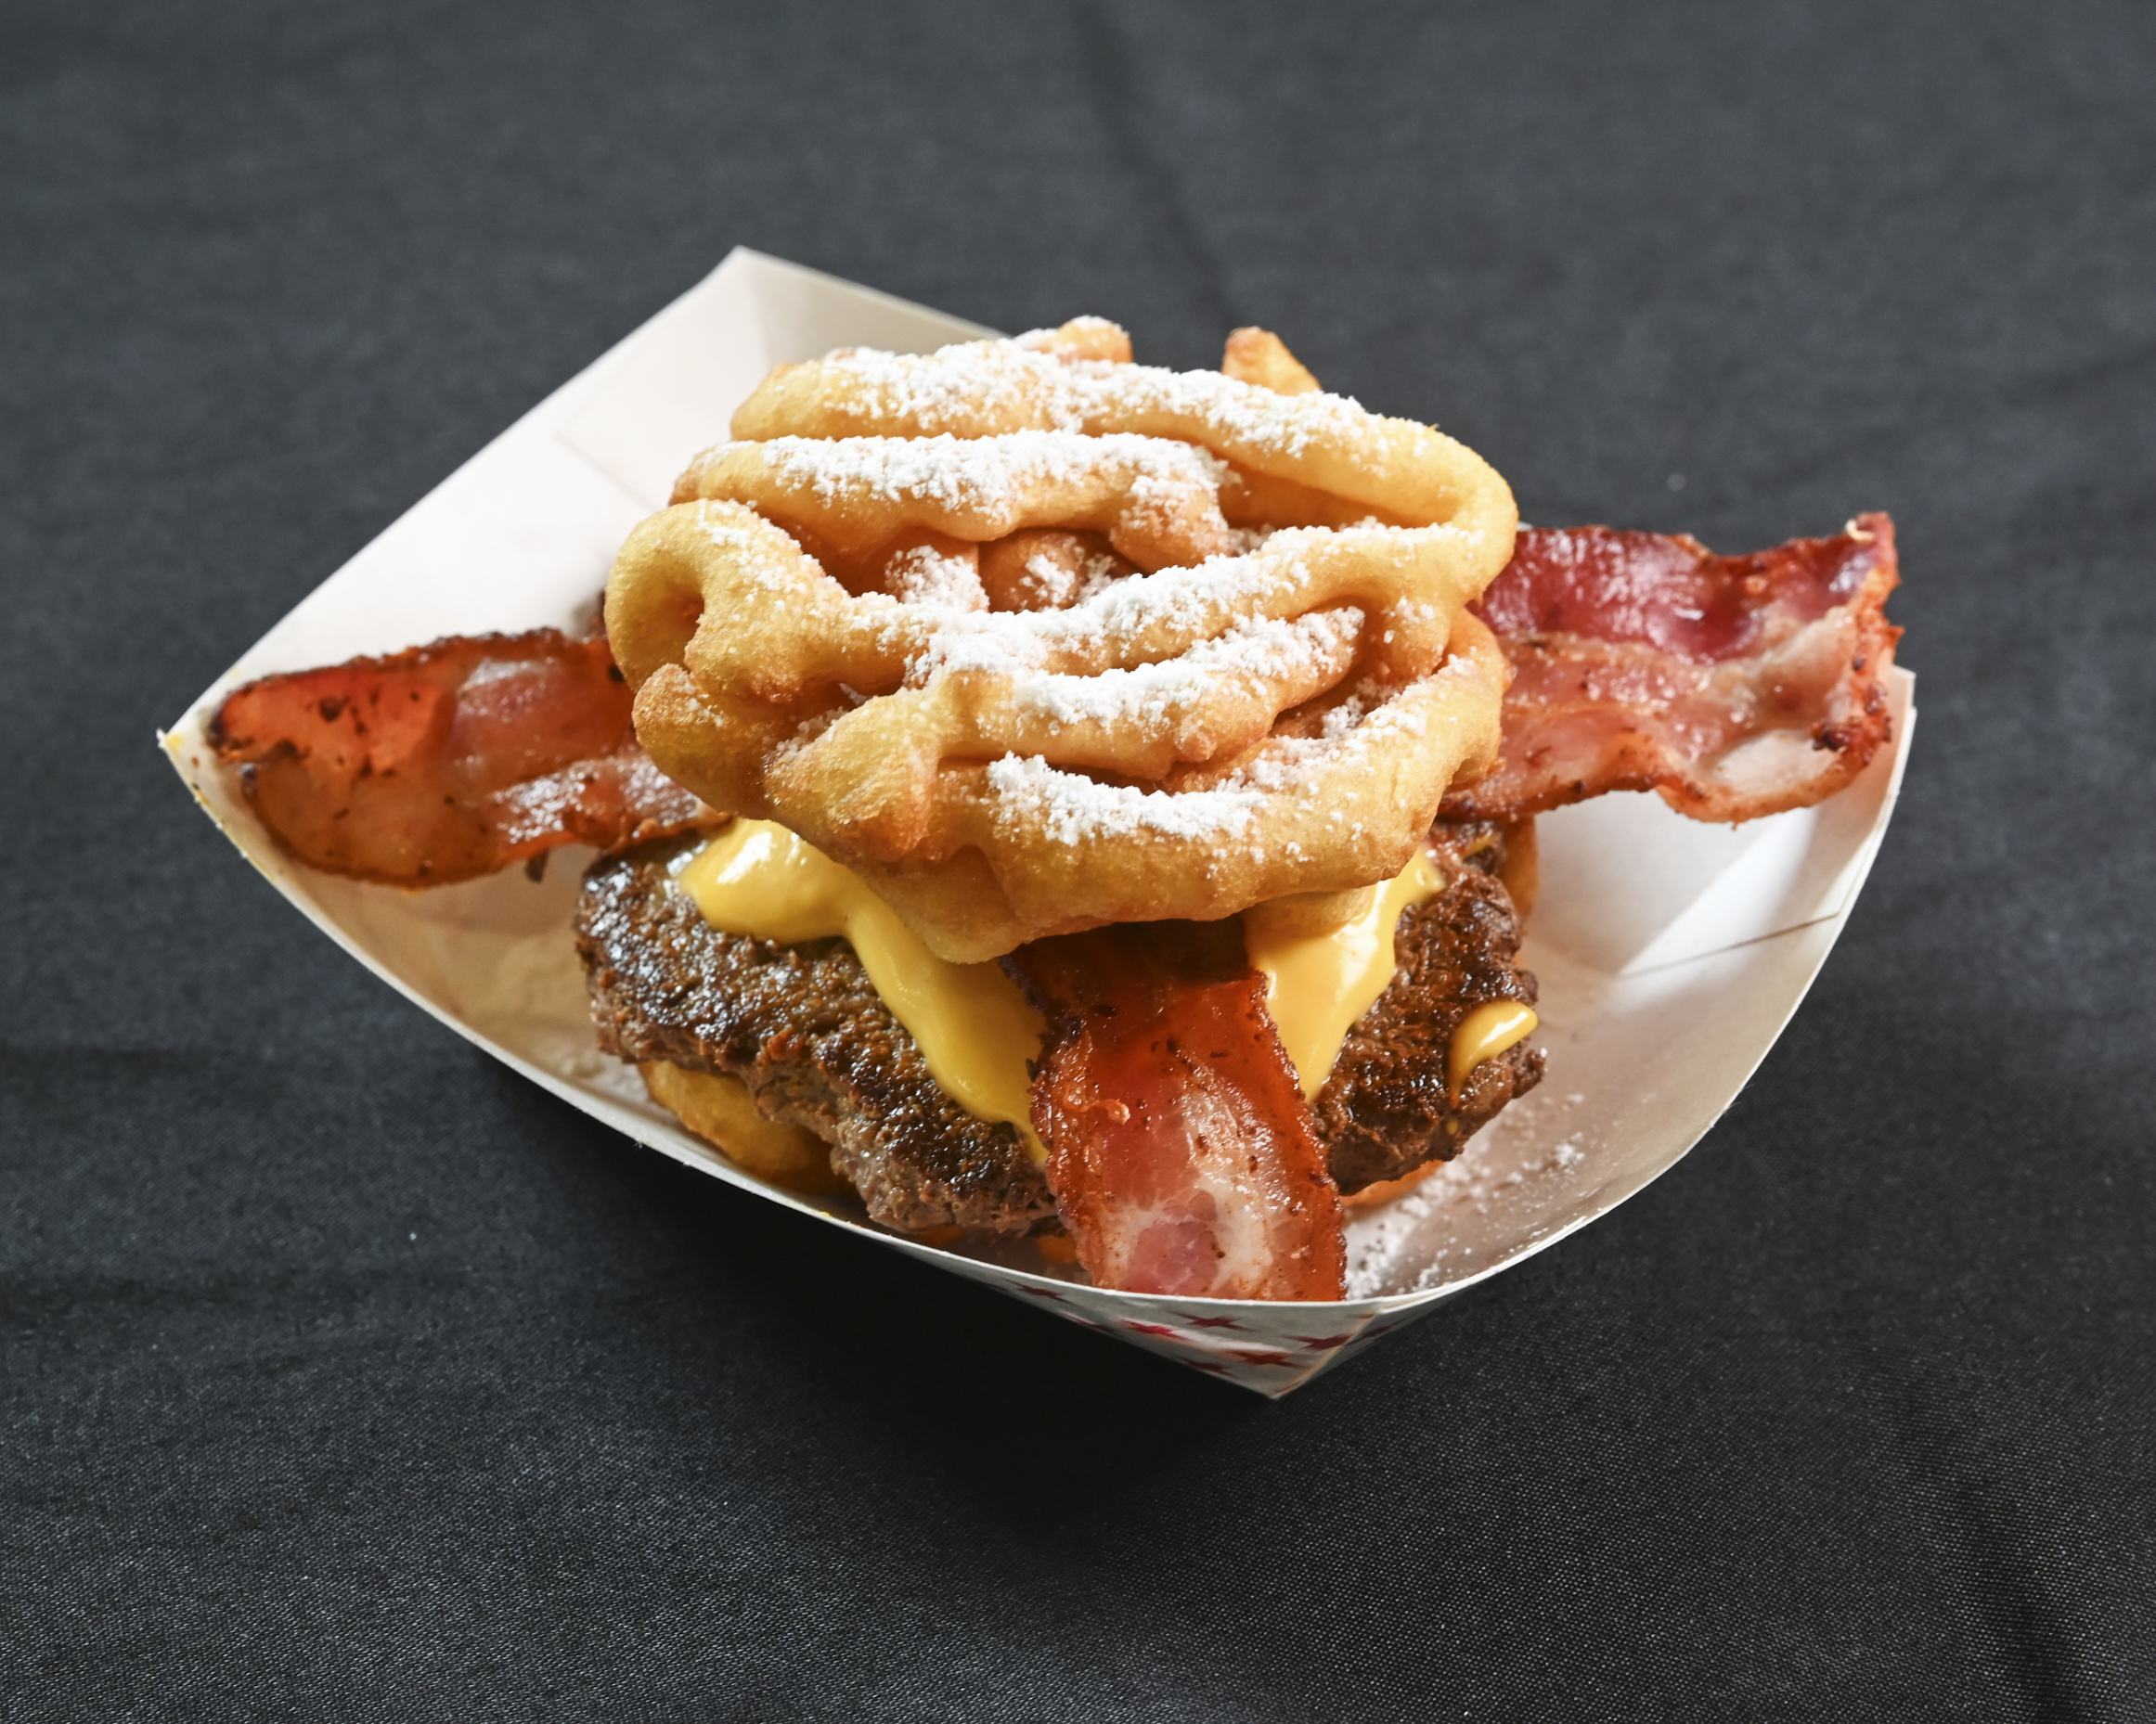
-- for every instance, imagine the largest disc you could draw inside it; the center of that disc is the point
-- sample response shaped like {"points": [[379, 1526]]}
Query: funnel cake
{"points": [[1035, 639]]}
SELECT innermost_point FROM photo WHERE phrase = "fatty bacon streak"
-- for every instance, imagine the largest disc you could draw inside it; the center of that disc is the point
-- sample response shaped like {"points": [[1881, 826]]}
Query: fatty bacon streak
{"points": [[1180, 1147], [1736, 686], [447, 762]]}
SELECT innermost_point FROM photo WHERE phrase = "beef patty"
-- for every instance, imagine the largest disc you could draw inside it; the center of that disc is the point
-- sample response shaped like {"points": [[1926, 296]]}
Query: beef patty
{"points": [[1387, 1107], [804, 1028]]}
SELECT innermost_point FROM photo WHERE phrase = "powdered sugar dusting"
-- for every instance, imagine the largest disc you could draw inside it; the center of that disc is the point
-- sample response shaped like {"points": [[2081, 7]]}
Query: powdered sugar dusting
{"points": [[983, 475], [1057, 586], [961, 385], [1070, 808], [923, 575], [1076, 809], [745, 548], [1256, 652], [1253, 418], [1169, 683], [1113, 618]]}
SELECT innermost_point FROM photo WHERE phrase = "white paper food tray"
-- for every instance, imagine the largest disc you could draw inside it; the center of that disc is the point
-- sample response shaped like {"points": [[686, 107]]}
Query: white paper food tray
{"points": [[1670, 953]]}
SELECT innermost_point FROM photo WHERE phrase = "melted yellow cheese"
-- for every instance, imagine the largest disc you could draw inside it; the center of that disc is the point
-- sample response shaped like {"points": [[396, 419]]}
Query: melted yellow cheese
{"points": [[1484, 1034], [973, 1027], [1322, 982], [1326, 962]]}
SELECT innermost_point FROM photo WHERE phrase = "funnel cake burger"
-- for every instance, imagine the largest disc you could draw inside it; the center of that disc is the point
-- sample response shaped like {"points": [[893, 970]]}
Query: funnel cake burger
{"points": [[1067, 800], [1116, 696]]}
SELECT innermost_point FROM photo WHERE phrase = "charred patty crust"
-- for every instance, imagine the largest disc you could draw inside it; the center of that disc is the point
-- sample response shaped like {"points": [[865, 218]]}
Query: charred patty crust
{"points": [[804, 1028]]}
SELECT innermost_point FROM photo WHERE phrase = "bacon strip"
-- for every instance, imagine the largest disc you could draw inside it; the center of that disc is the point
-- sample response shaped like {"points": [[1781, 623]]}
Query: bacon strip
{"points": [[1736, 686], [447, 762], [1180, 1147]]}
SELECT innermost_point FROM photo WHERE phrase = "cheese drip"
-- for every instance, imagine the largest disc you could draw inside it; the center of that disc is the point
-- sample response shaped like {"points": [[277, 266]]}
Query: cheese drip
{"points": [[973, 1027], [1323, 982], [975, 1030], [1484, 1034]]}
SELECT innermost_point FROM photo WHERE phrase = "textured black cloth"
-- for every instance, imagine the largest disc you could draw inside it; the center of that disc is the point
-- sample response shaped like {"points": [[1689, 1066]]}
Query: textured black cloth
{"points": [[347, 1376]]}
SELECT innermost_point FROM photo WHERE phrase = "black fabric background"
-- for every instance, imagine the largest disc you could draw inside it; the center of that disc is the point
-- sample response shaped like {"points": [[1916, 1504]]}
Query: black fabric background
{"points": [[347, 1376]]}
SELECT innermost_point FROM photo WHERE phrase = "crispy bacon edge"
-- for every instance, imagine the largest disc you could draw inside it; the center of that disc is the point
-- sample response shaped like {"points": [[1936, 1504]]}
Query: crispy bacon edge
{"points": [[1181, 1151], [1734, 687], [450, 761]]}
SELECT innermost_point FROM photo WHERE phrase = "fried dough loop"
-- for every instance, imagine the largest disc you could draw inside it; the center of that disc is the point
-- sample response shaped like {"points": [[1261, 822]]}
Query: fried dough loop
{"points": [[1037, 639]]}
